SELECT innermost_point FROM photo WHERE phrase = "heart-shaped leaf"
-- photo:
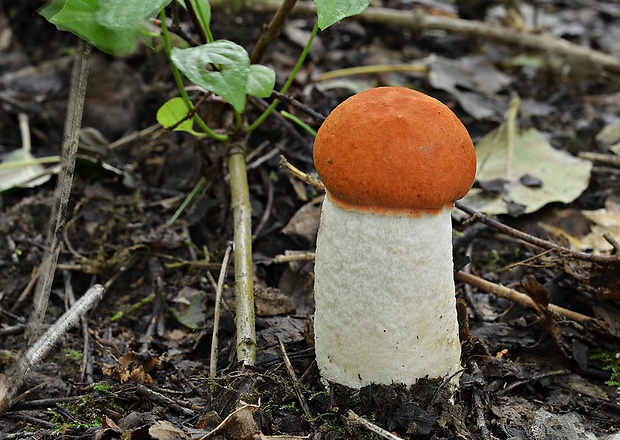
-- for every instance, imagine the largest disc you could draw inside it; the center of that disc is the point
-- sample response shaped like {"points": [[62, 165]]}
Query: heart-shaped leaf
{"points": [[332, 11], [221, 67]]}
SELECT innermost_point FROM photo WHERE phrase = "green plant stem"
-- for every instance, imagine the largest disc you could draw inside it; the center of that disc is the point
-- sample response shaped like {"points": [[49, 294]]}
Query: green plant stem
{"points": [[28, 163], [194, 192], [299, 122], [242, 245], [179, 82], [288, 83]]}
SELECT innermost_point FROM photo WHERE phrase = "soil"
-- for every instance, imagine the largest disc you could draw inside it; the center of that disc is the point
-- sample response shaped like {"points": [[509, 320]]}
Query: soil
{"points": [[138, 367]]}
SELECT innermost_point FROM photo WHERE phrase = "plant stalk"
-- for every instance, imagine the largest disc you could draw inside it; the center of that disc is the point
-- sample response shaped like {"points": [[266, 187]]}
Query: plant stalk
{"points": [[57, 220], [242, 245]]}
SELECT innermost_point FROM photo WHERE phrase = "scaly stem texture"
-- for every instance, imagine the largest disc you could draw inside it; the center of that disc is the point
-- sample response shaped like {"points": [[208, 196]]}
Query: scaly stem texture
{"points": [[57, 220], [242, 242]]}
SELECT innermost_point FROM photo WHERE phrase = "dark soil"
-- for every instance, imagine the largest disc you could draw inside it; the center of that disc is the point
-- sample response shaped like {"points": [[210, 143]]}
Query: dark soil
{"points": [[144, 369]]}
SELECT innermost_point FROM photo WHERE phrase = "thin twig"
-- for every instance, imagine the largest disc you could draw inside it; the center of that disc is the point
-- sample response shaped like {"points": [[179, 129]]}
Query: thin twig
{"points": [[165, 401], [86, 371], [609, 159], [354, 418], [271, 31], [295, 103], [135, 136], [612, 241], [33, 356], [296, 172], [530, 380], [520, 298], [288, 258], [217, 313], [22, 297], [539, 242], [293, 376]]}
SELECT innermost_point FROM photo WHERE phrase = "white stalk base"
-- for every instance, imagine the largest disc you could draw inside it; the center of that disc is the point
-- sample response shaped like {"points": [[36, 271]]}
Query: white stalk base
{"points": [[385, 299]]}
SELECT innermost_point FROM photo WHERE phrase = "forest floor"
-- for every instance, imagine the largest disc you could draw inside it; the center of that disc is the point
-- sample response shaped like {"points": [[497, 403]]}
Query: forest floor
{"points": [[139, 366]]}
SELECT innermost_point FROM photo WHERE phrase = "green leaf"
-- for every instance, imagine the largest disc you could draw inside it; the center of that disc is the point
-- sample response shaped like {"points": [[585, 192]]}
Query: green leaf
{"points": [[110, 25], [229, 76], [203, 9], [172, 113], [128, 15], [332, 11], [260, 81]]}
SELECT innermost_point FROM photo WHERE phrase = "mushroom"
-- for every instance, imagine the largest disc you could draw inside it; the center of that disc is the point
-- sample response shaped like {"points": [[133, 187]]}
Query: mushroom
{"points": [[393, 162]]}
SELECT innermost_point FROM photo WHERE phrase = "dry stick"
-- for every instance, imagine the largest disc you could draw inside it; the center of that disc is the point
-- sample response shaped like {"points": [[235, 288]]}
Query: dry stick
{"points": [[242, 242], [86, 368], [295, 103], [315, 183], [608, 159], [612, 241], [272, 31], [520, 298], [14, 378], [532, 379], [135, 136], [73, 121], [293, 376], [164, 401], [56, 225], [482, 218], [419, 22], [302, 256], [357, 420], [22, 297], [217, 313]]}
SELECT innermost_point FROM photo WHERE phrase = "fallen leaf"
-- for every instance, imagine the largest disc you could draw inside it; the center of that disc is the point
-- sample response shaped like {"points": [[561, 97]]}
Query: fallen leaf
{"points": [[26, 176], [514, 156], [239, 425], [305, 222], [480, 79], [271, 302], [190, 308], [164, 430]]}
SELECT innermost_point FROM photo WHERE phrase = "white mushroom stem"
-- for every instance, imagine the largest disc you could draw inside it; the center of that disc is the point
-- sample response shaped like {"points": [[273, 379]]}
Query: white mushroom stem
{"points": [[385, 299]]}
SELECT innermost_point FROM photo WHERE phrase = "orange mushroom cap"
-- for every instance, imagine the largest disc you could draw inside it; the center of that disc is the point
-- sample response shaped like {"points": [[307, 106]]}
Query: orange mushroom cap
{"points": [[393, 150]]}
